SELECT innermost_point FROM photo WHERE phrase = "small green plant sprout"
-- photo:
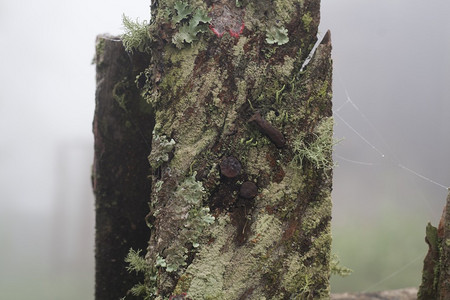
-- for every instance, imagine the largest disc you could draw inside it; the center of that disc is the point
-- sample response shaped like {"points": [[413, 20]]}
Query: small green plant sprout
{"points": [[277, 35], [318, 151], [188, 27], [161, 147], [138, 264], [136, 36]]}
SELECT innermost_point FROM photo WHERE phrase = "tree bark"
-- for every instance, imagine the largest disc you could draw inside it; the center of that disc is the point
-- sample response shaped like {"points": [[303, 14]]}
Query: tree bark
{"points": [[122, 132], [241, 165]]}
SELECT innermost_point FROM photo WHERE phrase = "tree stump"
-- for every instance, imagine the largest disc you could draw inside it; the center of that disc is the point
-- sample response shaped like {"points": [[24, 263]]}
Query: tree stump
{"points": [[241, 166]]}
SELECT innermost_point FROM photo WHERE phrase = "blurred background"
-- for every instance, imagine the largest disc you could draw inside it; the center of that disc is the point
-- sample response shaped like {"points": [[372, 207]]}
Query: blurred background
{"points": [[391, 103]]}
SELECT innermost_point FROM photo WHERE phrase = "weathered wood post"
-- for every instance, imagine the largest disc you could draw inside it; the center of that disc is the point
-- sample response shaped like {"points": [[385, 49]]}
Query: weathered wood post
{"points": [[436, 268], [122, 130], [240, 159]]}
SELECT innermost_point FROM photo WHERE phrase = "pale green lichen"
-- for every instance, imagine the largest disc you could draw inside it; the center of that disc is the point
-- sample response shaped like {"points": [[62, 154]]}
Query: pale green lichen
{"points": [[206, 273], [136, 36], [189, 194], [184, 60], [314, 215], [212, 273], [277, 35], [284, 70], [266, 231], [318, 151], [285, 9], [183, 11], [190, 22], [297, 279], [161, 147], [284, 190]]}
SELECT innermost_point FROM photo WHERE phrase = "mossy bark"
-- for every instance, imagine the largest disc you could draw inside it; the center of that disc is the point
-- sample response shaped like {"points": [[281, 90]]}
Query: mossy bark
{"points": [[241, 163], [122, 133], [436, 269]]}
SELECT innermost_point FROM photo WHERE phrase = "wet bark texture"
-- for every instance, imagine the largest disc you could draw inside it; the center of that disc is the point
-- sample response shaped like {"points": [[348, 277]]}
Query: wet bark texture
{"points": [[241, 167], [122, 134], [436, 269]]}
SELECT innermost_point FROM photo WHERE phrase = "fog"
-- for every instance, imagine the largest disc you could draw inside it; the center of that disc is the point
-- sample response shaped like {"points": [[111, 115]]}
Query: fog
{"points": [[391, 102]]}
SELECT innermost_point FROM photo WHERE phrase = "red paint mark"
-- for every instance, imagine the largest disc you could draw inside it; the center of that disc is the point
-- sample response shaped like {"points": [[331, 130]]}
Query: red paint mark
{"points": [[227, 17], [215, 31], [237, 34]]}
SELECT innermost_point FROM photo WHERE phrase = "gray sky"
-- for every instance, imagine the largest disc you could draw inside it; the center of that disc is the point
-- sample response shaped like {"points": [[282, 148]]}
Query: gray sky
{"points": [[391, 57]]}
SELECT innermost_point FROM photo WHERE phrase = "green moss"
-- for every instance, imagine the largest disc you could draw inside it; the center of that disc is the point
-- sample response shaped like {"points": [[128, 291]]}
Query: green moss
{"points": [[99, 49], [307, 20]]}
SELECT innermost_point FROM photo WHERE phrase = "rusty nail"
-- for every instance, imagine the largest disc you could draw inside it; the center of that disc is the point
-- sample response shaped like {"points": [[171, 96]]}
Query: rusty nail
{"points": [[266, 128]]}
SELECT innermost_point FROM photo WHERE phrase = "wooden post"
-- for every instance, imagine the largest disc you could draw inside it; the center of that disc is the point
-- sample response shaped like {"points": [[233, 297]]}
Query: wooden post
{"points": [[122, 133], [436, 269], [241, 164]]}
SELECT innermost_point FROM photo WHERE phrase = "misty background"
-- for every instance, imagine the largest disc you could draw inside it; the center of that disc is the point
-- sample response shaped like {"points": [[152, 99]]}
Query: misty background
{"points": [[392, 108]]}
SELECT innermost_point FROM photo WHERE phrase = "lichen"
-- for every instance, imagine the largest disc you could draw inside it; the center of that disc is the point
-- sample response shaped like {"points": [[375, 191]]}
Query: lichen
{"points": [[190, 22], [189, 195], [161, 147], [277, 35], [136, 36], [318, 151]]}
